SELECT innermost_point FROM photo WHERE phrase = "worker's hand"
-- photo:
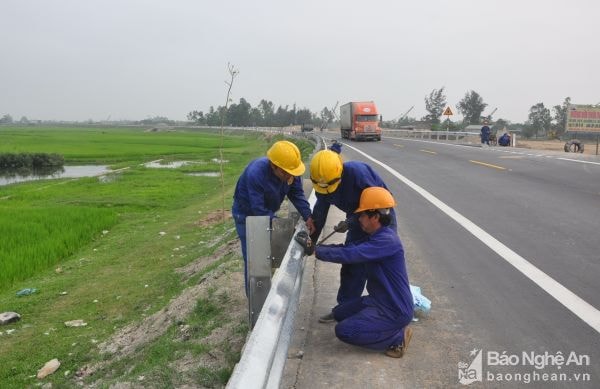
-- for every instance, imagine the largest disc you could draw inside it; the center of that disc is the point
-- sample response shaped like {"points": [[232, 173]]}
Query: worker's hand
{"points": [[341, 226], [304, 240], [310, 224]]}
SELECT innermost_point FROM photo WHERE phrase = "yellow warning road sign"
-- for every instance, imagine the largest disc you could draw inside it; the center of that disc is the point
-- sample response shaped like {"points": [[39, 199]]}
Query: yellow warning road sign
{"points": [[448, 112]]}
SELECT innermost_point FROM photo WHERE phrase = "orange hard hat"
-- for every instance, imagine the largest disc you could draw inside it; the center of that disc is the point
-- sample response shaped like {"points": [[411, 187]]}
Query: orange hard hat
{"points": [[375, 198]]}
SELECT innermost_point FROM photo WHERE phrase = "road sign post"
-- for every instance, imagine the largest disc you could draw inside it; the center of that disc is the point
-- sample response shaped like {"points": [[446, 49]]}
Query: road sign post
{"points": [[448, 113]]}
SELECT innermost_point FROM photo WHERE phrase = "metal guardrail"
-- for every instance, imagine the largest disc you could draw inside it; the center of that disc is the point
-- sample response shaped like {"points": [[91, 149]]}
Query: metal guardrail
{"points": [[435, 135], [455, 136], [265, 353]]}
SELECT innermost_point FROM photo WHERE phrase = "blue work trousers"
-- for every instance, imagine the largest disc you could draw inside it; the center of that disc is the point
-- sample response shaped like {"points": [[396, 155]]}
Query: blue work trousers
{"points": [[353, 278], [240, 227], [365, 325]]}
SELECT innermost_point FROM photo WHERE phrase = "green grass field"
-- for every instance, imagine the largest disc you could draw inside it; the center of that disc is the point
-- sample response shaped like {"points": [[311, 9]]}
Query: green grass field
{"points": [[44, 222], [105, 251], [111, 145]]}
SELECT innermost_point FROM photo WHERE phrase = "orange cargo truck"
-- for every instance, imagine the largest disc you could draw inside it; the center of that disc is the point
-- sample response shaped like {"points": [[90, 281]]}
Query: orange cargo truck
{"points": [[360, 120]]}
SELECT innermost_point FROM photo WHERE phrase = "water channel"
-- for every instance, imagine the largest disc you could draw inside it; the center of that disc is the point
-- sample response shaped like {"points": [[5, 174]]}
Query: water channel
{"points": [[13, 177], [7, 178]]}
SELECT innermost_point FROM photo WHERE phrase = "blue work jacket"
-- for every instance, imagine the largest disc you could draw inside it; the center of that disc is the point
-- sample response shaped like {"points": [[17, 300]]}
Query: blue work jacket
{"points": [[260, 193], [383, 256], [485, 132], [356, 176]]}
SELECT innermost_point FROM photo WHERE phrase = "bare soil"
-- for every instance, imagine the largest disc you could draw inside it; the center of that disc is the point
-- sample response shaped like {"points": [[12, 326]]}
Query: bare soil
{"points": [[133, 337], [214, 217], [554, 145]]}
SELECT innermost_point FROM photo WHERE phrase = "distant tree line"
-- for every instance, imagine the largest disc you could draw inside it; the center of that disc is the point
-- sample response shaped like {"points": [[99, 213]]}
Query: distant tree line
{"points": [[540, 120], [263, 115], [7, 119]]}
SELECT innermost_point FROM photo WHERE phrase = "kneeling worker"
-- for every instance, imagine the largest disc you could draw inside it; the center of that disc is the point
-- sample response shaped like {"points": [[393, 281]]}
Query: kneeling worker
{"points": [[340, 184], [379, 320]]}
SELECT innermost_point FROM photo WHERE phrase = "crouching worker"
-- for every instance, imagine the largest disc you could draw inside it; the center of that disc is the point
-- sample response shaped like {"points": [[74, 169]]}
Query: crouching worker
{"points": [[504, 140], [379, 320]]}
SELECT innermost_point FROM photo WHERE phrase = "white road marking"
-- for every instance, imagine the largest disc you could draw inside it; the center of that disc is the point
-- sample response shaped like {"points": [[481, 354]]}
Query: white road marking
{"points": [[584, 310], [576, 160], [500, 150]]}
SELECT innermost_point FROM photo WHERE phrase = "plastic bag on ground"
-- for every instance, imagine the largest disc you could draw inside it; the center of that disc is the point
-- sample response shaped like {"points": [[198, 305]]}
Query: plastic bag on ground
{"points": [[421, 303], [26, 292]]}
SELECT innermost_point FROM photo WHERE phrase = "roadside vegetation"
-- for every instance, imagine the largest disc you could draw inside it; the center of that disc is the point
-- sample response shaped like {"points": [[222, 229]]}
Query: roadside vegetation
{"points": [[141, 255], [30, 160]]}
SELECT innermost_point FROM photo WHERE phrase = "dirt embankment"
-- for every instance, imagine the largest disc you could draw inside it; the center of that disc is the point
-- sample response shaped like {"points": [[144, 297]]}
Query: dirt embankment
{"points": [[554, 145], [221, 283]]}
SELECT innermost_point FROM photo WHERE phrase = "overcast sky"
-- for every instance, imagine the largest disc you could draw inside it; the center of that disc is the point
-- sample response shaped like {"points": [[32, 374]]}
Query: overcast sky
{"points": [[100, 59]]}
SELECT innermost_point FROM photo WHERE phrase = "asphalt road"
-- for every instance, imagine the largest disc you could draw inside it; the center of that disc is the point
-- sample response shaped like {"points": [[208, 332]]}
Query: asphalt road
{"points": [[506, 244]]}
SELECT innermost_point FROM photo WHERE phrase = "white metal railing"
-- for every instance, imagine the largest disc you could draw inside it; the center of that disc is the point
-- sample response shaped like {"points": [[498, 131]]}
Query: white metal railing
{"points": [[434, 135], [265, 353], [455, 136]]}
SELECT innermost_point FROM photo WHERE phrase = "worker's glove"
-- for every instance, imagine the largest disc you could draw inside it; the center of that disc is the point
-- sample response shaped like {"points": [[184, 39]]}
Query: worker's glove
{"points": [[305, 241], [341, 226]]}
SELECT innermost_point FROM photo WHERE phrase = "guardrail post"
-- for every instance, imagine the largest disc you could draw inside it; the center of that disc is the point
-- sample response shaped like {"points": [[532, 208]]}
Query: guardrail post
{"points": [[267, 245], [258, 238], [281, 235]]}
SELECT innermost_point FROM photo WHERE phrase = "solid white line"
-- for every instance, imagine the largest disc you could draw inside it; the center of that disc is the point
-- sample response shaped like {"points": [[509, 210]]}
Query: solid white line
{"points": [[570, 300], [577, 160]]}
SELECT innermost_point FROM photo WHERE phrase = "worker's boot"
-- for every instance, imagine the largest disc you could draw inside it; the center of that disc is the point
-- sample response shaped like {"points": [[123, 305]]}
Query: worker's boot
{"points": [[397, 351], [328, 318]]}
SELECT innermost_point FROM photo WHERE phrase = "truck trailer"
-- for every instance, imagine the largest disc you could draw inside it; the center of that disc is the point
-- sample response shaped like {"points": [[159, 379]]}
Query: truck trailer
{"points": [[360, 120]]}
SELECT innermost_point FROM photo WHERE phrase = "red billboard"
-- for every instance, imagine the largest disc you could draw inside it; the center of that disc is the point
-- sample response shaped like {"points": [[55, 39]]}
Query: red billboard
{"points": [[583, 118]]}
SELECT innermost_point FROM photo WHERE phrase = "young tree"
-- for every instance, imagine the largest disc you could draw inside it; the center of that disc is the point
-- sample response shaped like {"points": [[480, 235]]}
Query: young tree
{"points": [[540, 118], [471, 107], [560, 116], [233, 72], [434, 104]]}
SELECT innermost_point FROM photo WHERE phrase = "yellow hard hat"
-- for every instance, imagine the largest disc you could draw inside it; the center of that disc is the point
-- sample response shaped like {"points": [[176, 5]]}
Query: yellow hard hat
{"points": [[375, 198], [286, 155], [326, 171]]}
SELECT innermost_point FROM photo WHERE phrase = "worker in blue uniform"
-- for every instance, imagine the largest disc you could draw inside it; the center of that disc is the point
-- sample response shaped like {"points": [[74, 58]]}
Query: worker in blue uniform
{"points": [[504, 140], [336, 146], [340, 184], [485, 134], [263, 186], [379, 320]]}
